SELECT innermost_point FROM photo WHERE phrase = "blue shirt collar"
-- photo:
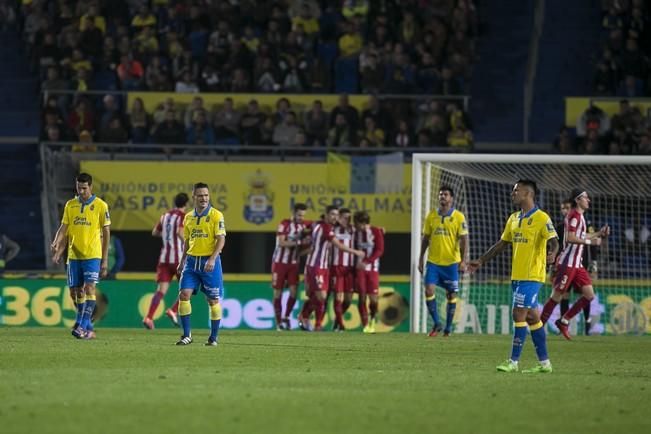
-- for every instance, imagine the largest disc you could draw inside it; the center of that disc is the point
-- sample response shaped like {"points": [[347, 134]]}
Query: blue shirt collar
{"points": [[88, 202], [204, 213], [446, 215], [527, 215]]}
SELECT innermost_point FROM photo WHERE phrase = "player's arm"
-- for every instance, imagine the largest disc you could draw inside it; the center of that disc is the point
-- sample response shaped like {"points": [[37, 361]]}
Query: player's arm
{"points": [[424, 244], [283, 241], [341, 246], [158, 230], [494, 250], [464, 243], [58, 245], [378, 248], [106, 239], [220, 240], [552, 249]]}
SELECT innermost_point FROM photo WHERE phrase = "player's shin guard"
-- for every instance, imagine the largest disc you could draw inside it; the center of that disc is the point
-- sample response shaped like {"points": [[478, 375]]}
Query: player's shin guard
{"points": [[278, 310], [547, 310], [155, 301], [89, 307], [539, 339], [363, 313], [450, 309], [576, 308], [339, 314], [430, 301], [185, 310], [372, 307], [519, 336], [291, 301], [215, 319], [80, 304], [320, 313]]}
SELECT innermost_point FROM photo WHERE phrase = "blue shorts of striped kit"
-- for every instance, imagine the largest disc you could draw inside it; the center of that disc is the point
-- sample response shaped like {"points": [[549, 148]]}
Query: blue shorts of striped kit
{"points": [[445, 276], [525, 293], [193, 276], [82, 271]]}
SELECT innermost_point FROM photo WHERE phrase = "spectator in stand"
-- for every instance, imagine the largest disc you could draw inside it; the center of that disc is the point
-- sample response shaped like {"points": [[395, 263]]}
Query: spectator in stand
{"points": [[91, 40], [210, 81], [283, 106], [110, 110], [460, 137], [85, 143], [114, 132], [267, 132], [593, 118], [227, 123], [448, 84], [130, 73], [251, 123], [201, 133], [308, 12], [349, 112], [350, 43], [143, 19], [340, 135], [375, 110], [157, 76], [316, 124], [169, 132], [564, 144], [285, 132], [372, 75], [403, 137], [375, 135], [54, 82], [138, 122], [192, 112], [186, 84], [82, 117]]}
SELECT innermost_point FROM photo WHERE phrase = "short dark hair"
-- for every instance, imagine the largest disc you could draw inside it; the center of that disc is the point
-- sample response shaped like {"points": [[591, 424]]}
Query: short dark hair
{"points": [[84, 177], [199, 185], [330, 208], [300, 207], [180, 200], [574, 194], [344, 211], [362, 217], [529, 183], [447, 188]]}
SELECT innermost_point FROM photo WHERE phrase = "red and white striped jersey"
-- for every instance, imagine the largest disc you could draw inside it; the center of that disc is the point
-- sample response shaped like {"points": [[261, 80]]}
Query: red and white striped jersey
{"points": [[170, 226], [322, 235], [572, 254], [345, 235], [371, 242], [293, 232]]}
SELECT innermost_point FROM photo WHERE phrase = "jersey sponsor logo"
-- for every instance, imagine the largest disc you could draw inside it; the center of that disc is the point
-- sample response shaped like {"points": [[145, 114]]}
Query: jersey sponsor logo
{"points": [[530, 221], [221, 225], [92, 207], [258, 205], [441, 231], [81, 221], [198, 233], [207, 219], [519, 238]]}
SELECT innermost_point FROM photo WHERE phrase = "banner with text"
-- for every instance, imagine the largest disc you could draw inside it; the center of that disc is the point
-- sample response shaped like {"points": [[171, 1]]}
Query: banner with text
{"points": [[254, 197]]}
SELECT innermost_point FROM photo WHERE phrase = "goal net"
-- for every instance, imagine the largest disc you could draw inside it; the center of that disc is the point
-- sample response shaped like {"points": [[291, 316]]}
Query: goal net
{"points": [[620, 189]]}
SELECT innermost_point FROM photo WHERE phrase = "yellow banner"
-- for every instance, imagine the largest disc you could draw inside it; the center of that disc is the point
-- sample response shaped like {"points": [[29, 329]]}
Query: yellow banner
{"points": [[254, 197]]}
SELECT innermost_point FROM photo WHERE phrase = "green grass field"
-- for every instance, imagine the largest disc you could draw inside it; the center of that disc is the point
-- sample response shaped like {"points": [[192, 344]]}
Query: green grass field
{"points": [[136, 381]]}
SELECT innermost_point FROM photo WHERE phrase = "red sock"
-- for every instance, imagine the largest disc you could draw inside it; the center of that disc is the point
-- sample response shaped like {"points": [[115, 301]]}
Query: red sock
{"points": [[291, 301], [547, 310], [372, 305], [345, 306], [363, 313], [175, 306], [307, 308], [320, 312], [576, 308], [339, 315], [278, 309], [155, 301]]}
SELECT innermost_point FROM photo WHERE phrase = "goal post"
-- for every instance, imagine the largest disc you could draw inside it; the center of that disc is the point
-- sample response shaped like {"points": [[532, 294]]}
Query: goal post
{"points": [[620, 188]]}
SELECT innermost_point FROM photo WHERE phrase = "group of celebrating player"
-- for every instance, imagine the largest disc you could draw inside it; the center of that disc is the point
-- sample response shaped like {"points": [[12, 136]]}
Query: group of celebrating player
{"points": [[343, 256]]}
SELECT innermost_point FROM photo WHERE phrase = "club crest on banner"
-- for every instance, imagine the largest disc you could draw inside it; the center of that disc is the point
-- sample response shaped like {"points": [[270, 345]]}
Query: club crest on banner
{"points": [[258, 203]]}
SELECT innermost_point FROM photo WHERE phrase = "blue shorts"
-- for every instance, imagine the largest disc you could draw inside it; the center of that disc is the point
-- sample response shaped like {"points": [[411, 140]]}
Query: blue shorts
{"points": [[445, 276], [193, 277], [525, 293], [82, 271]]}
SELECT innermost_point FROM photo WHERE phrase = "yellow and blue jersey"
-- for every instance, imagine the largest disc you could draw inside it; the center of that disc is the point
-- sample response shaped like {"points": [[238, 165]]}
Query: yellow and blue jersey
{"points": [[200, 231], [444, 231], [85, 221], [528, 234]]}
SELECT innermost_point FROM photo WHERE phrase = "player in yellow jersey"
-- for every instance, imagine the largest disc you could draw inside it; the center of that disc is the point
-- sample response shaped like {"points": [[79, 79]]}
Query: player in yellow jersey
{"points": [[445, 236], [533, 237], [85, 226], [204, 236]]}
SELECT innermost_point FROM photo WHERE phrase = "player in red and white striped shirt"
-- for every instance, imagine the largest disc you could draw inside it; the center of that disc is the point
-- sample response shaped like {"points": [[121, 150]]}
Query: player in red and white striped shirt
{"points": [[170, 229], [569, 264], [291, 238], [370, 240], [317, 267], [342, 270]]}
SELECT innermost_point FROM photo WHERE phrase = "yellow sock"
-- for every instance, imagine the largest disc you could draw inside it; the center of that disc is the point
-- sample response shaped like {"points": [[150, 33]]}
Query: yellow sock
{"points": [[185, 308], [91, 297], [215, 311]]}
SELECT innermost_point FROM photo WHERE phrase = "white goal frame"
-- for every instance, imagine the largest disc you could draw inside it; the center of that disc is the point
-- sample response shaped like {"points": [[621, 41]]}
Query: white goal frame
{"points": [[417, 308]]}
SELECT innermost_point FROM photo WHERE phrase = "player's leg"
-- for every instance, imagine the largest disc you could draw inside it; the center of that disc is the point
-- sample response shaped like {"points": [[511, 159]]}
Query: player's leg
{"points": [[360, 286], [278, 272], [163, 278], [587, 319], [583, 281], [560, 284], [539, 338], [309, 304], [189, 281], [91, 268], [451, 285], [172, 312], [212, 286], [565, 303], [323, 282], [292, 282], [337, 285], [373, 291], [75, 277], [432, 279]]}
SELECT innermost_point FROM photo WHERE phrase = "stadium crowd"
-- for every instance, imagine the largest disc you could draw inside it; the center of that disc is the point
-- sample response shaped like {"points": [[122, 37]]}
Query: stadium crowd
{"points": [[291, 46]]}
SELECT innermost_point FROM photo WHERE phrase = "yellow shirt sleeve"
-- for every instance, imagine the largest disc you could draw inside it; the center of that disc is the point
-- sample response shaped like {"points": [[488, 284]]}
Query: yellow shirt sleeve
{"points": [[507, 235], [549, 231], [220, 226], [105, 217], [427, 227], [186, 229], [463, 226], [66, 216]]}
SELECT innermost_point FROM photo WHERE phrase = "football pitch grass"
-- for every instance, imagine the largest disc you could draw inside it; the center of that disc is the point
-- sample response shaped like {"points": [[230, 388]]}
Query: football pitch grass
{"points": [[137, 381]]}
